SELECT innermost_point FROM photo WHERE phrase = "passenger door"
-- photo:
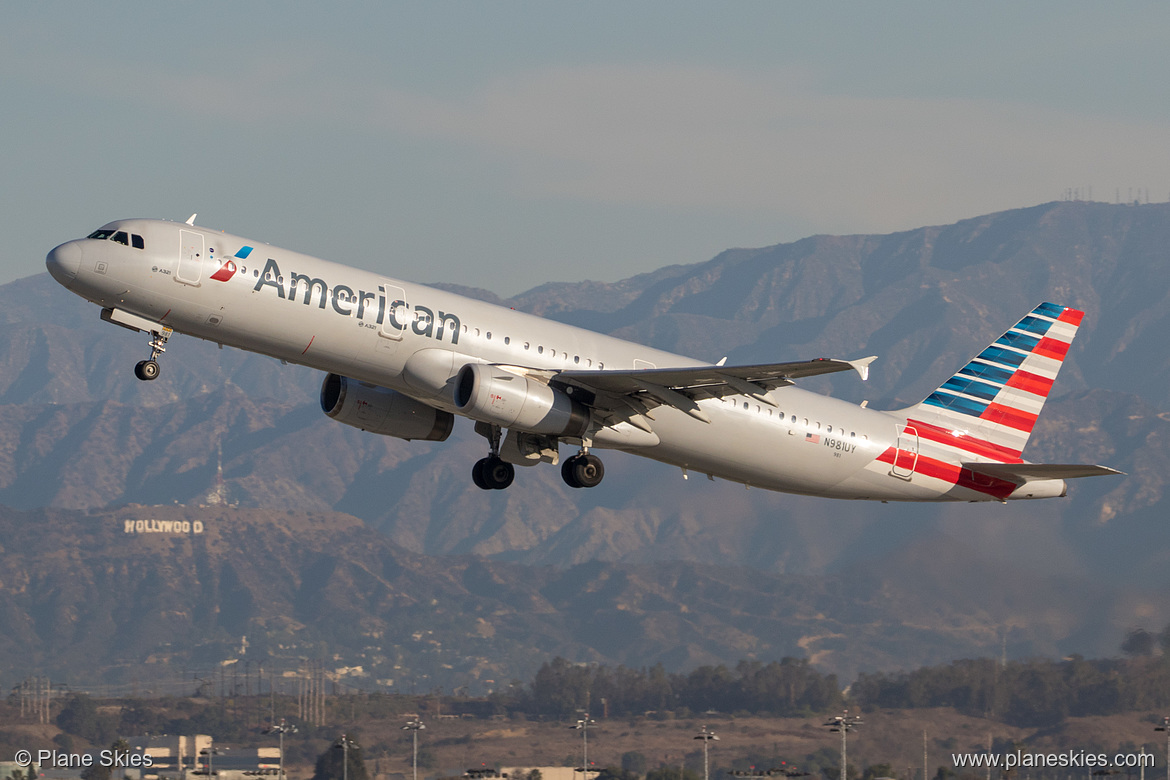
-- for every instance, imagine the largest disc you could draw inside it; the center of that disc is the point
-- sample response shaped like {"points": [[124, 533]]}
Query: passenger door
{"points": [[190, 257], [906, 454]]}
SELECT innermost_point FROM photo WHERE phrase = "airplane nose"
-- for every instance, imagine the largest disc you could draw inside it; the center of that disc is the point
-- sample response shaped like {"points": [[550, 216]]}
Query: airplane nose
{"points": [[64, 262]]}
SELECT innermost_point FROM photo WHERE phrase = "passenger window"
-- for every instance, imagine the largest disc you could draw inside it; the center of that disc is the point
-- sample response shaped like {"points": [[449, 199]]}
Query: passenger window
{"points": [[525, 345], [601, 365], [540, 350], [507, 339], [745, 404], [576, 358], [121, 238], [137, 241]]}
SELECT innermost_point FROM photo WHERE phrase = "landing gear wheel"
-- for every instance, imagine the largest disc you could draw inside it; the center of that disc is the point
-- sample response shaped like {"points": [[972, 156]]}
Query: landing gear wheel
{"points": [[146, 370], [588, 470], [583, 471], [567, 472], [491, 473]]}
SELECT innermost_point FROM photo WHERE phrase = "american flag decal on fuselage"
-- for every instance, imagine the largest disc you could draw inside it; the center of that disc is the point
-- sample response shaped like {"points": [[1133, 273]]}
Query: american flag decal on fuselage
{"points": [[988, 409]]}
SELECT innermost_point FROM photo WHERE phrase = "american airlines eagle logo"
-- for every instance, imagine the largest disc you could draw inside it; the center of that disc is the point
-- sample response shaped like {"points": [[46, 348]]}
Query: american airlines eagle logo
{"points": [[229, 267]]}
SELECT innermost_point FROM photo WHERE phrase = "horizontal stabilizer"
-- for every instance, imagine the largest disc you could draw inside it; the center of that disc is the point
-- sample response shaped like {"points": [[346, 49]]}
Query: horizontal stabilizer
{"points": [[1030, 472]]}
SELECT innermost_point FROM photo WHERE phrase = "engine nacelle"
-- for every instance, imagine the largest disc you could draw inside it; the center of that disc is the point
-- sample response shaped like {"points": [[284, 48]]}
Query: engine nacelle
{"points": [[493, 395], [381, 410]]}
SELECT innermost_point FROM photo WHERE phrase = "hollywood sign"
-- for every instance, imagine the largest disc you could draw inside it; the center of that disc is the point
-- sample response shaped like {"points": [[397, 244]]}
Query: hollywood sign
{"points": [[175, 527]]}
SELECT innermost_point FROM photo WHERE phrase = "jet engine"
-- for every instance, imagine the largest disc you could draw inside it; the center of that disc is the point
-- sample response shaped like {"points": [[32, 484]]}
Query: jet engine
{"points": [[492, 395], [381, 410]]}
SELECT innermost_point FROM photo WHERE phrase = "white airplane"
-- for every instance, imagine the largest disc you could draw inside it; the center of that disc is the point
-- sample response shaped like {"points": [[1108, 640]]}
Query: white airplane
{"points": [[402, 360]]}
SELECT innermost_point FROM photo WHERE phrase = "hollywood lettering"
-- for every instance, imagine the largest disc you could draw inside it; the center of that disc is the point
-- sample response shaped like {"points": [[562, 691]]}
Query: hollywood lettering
{"points": [[153, 526], [360, 304]]}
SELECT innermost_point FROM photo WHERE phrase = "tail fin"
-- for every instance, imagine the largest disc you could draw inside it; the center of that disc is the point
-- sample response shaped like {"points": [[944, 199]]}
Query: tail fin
{"points": [[995, 399]]}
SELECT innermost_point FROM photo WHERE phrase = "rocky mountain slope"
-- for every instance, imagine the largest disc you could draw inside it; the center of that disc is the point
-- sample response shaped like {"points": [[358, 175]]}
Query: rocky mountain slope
{"points": [[78, 432], [156, 594]]}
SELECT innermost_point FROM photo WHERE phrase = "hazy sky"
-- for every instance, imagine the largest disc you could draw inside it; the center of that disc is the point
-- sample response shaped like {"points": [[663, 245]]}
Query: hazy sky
{"points": [[505, 144]]}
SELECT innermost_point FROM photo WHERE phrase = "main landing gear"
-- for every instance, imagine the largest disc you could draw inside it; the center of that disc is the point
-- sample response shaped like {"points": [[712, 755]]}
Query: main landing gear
{"points": [[148, 369], [583, 470], [492, 472]]}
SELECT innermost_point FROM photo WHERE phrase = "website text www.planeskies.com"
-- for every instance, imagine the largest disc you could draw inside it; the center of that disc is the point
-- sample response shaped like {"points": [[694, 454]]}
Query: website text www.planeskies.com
{"points": [[1068, 759]]}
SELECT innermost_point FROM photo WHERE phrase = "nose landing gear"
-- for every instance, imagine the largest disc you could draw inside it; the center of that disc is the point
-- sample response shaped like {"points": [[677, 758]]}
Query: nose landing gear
{"points": [[148, 369]]}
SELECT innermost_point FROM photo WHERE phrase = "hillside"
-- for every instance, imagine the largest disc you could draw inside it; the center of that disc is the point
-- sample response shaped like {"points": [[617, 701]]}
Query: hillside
{"points": [[162, 593], [898, 585]]}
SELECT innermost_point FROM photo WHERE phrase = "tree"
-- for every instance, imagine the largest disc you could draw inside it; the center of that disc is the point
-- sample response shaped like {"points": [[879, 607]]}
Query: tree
{"points": [[100, 769], [342, 759], [633, 761], [615, 773], [80, 717], [561, 687], [874, 771], [1138, 642]]}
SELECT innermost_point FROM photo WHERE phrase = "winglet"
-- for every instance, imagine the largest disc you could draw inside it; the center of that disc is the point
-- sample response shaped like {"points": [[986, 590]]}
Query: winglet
{"points": [[722, 360], [191, 219], [861, 366]]}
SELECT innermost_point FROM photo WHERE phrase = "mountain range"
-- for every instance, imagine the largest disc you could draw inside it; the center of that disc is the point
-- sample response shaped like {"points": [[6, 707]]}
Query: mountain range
{"points": [[80, 437]]}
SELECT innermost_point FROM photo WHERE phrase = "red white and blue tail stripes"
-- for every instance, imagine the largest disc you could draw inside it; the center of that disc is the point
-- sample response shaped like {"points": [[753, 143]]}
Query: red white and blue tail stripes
{"points": [[988, 409]]}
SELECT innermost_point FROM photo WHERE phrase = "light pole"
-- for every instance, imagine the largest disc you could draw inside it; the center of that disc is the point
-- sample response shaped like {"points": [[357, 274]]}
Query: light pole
{"points": [[414, 727], [846, 723], [209, 752], [345, 743], [281, 729], [706, 736], [1165, 726], [583, 724]]}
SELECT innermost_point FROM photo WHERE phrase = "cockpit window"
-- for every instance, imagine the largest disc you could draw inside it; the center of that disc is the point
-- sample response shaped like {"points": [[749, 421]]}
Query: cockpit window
{"points": [[121, 236]]}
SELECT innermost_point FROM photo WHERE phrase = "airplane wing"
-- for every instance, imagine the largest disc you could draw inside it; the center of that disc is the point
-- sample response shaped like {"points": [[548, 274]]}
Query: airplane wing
{"points": [[626, 395], [1030, 472]]}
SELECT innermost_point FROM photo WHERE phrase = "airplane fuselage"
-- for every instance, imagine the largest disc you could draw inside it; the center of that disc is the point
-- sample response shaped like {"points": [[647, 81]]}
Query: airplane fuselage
{"points": [[416, 339]]}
